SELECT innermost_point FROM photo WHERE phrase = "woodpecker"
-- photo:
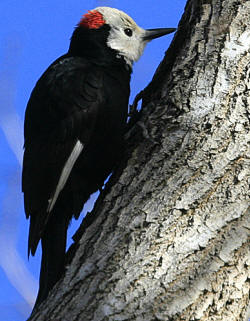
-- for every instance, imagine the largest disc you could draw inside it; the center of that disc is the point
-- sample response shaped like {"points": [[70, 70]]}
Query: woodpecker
{"points": [[75, 121]]}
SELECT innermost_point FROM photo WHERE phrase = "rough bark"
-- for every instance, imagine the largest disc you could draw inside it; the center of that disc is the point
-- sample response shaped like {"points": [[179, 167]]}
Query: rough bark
{"points": [[170, 236]]}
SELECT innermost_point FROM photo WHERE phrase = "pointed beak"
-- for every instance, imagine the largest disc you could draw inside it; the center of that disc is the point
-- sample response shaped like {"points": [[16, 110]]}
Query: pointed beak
{"points": [[156, 33]]}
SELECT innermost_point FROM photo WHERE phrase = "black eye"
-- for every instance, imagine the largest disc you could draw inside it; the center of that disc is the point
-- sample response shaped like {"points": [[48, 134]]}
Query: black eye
{"points": [[128, 32]]}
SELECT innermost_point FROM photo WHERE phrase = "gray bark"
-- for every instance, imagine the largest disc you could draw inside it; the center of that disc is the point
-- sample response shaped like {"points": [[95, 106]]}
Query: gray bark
{"points": [[170, 236]]}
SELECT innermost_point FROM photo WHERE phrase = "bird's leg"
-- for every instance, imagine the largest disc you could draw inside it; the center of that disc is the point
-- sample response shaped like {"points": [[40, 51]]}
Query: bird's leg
{"points": [[135, 121], [133, 108], [134, 115]]}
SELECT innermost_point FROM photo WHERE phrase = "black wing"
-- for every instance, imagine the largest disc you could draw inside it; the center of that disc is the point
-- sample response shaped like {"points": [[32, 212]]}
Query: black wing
{"points": [[60, 114]]}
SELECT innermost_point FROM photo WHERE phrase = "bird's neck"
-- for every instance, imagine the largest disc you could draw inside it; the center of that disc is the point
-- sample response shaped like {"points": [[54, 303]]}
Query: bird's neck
{"points": [[92, 44]]}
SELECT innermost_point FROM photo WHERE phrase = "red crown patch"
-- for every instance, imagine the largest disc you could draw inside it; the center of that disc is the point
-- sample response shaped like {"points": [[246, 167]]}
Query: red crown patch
{"points": [[92, 20]]}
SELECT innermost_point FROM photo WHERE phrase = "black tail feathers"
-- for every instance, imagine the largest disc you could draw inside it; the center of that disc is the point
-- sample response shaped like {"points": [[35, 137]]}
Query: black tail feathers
{"points": [[53, 256]]}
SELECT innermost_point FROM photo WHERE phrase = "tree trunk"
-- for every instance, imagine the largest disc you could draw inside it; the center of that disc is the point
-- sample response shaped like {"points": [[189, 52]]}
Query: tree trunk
{"points": [[168, 238]]}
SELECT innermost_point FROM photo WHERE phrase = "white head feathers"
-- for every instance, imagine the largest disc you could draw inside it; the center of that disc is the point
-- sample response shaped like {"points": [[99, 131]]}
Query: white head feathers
{"points": [[125, 36]]}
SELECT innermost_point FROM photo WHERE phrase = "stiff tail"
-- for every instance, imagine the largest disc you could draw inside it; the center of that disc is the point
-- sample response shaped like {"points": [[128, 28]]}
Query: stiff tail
{"points": [[53, 255]]}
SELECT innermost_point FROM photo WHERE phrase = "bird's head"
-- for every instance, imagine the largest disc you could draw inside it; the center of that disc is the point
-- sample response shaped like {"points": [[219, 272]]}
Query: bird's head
{"points": [[124, 35]]}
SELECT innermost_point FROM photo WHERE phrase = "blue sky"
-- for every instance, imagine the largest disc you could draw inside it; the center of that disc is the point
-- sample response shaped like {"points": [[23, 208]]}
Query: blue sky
{"points": [[32, 35]]}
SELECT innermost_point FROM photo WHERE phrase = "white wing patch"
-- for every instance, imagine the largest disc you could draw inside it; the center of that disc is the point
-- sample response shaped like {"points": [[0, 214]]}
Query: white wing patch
{"points": [[65, 173]]}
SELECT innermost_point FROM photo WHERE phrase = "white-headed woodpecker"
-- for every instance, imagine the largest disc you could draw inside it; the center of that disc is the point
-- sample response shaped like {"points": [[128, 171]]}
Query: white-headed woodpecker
{"points": [[74, 126]]}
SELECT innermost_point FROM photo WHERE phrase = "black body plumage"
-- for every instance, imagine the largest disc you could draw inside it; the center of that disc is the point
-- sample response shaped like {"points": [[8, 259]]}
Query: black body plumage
{"points": [[82, 97]]}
